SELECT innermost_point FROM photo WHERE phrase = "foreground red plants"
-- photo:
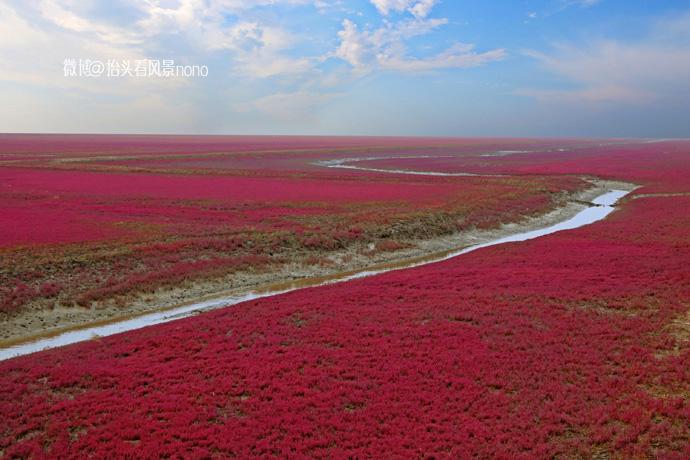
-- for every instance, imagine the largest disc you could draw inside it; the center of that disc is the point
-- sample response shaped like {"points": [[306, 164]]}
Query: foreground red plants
{"points": [[571, 345]]}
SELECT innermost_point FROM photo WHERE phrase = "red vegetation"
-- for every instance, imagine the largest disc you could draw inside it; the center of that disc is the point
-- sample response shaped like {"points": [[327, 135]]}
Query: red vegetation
{"points": [[115, 231], [536, 349], [22, 145], [661, 167], [66, 206], [564, 346]]}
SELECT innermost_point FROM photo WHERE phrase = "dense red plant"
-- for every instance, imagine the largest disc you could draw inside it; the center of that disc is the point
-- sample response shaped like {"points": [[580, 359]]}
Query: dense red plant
{"points": [[662, 167], [550, 347], [570, 345], [105, 233]]}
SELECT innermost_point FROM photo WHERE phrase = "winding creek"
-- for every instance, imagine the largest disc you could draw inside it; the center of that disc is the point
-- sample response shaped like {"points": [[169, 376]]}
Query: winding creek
{"points": [[346, 163], [604, 205]]}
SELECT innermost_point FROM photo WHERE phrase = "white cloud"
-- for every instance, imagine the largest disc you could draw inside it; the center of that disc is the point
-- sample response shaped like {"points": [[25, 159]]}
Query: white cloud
{"points": [[15, 31], [418, 8], [384, 48], [355, 47], [35, 37], [584, 3], [616, 72], [457, 56], [166, 16], [59, 13], [422, 8], [295, 106], [29, 54], [257, 50]]}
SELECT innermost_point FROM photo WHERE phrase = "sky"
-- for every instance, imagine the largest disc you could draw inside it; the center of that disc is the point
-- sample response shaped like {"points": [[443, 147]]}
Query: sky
{"points": [[528, 68]]}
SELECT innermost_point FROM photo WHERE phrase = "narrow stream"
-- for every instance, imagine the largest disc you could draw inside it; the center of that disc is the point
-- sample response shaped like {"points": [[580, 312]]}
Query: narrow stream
{"points": [[346, 163], [603, 207]]}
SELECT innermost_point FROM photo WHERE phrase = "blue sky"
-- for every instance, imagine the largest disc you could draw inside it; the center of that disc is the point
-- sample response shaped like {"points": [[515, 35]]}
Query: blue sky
{"points": [[372, 67]]}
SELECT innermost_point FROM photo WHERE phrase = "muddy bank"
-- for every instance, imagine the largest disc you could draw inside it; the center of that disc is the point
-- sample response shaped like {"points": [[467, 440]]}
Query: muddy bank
{"points": [[30, 325]]}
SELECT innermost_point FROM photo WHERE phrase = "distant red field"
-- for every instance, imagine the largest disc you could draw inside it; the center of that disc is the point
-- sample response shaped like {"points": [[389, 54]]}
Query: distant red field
{"points": [[660, 168], [573, 345], [45, 144], [43, 206]]}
